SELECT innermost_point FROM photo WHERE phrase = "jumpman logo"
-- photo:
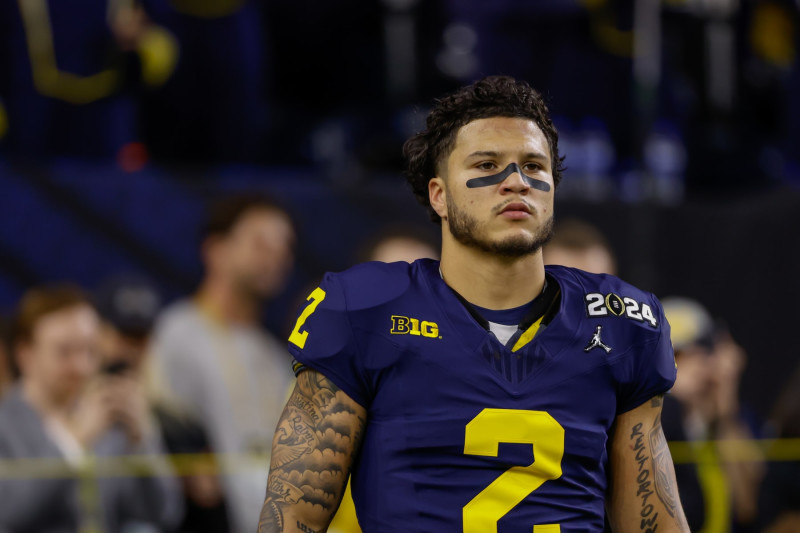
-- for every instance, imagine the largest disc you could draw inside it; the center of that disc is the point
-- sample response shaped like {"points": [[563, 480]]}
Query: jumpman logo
{"points": [[596, 342]]}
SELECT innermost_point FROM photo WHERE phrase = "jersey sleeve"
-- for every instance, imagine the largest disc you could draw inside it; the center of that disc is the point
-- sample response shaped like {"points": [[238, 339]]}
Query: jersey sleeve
{"points": [[650, 370], [323, 340]]}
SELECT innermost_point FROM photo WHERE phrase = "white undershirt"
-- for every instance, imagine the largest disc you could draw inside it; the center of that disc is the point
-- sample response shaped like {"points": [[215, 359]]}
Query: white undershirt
{"points": [[503, 332]]}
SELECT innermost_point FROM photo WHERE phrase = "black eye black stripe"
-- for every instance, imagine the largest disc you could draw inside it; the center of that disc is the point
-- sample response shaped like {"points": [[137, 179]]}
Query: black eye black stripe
{"points": [[494, 179]]}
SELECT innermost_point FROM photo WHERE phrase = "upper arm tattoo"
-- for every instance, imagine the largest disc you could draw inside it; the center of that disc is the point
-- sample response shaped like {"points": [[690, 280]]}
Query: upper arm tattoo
{"points": [[315, 442]]}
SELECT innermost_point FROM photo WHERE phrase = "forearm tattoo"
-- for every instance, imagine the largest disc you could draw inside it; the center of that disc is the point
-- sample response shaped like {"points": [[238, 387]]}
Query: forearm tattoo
{"points": [[318, 427], [655, 475], [644, 481]]}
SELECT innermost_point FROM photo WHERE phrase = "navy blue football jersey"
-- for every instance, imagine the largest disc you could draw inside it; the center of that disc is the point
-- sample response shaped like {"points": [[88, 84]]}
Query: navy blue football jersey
{"points": [[465, 434]]}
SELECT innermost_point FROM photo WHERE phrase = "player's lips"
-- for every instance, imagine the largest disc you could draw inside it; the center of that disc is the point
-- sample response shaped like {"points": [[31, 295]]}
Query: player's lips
{"points": [[516, 210]]}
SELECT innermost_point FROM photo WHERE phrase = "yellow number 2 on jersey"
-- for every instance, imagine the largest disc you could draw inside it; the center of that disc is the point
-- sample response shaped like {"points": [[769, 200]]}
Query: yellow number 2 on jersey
{"points": [[297, 336], [483, 435]]}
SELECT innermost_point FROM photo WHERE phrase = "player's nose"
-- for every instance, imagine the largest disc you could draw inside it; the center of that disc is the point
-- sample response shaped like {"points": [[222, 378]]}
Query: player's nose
{"points": [[515, 181]]}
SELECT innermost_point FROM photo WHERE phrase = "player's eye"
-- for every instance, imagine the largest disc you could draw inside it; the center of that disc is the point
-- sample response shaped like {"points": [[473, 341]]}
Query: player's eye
{"points": [[486, 165], [532, 167]]}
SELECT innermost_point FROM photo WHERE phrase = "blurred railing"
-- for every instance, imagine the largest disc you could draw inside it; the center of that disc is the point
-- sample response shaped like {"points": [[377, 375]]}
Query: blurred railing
{"points": [[683, 452]]}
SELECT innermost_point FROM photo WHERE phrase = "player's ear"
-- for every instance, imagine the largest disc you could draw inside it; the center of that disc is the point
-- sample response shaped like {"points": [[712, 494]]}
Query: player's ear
{"points": [[437, 195]]}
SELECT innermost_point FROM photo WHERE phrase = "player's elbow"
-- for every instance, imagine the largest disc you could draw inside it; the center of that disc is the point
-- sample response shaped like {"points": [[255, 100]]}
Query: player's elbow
{"points": [[280, 517]]}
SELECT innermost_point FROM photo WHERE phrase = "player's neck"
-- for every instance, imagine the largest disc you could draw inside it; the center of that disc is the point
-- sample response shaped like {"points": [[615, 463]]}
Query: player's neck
{"points": [[489, 281], [219, 298]]}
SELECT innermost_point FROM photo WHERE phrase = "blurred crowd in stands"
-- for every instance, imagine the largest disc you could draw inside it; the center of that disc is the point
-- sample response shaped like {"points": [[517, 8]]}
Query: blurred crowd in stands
{"points": [[649, 101]]}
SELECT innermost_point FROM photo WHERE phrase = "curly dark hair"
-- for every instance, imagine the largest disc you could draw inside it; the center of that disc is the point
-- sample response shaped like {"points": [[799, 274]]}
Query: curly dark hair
{"points": [[493, 96]]}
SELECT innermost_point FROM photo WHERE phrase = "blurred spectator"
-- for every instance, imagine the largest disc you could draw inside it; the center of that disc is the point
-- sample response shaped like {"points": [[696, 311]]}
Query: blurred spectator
{"points": [[580, 245], [224, 371], [128, 306], [400, 243], [718, 479], [70, 74], [65, 416], [779, 498]]}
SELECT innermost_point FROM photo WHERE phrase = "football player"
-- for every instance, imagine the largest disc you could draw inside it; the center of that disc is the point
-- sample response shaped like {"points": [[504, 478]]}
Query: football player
{"points": [[485, 392]]}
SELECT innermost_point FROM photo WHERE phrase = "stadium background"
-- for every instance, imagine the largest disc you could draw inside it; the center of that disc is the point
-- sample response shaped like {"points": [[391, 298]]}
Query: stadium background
{"points": [[680, 121]]}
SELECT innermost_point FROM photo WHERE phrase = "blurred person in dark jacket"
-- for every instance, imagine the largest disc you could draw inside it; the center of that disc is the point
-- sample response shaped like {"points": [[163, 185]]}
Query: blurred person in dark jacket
{"points": [[87, 456], [718, 467], [129, 306]]}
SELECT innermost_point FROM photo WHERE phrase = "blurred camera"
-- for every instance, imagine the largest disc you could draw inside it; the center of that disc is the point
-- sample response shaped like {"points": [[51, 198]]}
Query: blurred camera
{"points": [[116, 368]]}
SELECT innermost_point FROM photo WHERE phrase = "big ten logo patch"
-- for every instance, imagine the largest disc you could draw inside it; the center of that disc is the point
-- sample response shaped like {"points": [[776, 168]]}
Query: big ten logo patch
{"points": [[405, 325]]}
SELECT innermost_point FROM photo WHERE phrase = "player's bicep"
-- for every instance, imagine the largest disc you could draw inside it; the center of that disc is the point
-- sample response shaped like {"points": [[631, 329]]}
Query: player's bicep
{"points": [[317, 437], [643, 493]]}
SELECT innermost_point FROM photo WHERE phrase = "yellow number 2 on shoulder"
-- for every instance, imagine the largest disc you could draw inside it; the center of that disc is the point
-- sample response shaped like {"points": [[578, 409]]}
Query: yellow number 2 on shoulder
{"points": [[298, 337], [483, 435]]}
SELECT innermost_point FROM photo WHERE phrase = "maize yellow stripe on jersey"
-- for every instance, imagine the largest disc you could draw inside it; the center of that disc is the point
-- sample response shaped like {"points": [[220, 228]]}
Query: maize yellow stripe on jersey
{"points": [[528, 336]]}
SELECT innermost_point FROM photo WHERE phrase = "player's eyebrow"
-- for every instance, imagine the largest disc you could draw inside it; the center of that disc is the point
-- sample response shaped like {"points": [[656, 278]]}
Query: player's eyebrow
{"points": [[483, 153], [492, 153]]}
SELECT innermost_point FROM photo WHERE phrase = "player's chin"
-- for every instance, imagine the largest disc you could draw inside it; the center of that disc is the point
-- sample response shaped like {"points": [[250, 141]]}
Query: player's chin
{"points": [[516, 232], [515, 245]]}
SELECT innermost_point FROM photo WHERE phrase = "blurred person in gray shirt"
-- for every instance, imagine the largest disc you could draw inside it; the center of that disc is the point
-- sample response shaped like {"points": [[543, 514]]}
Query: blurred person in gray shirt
{"points": [[78, 449], [214, 363]]}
